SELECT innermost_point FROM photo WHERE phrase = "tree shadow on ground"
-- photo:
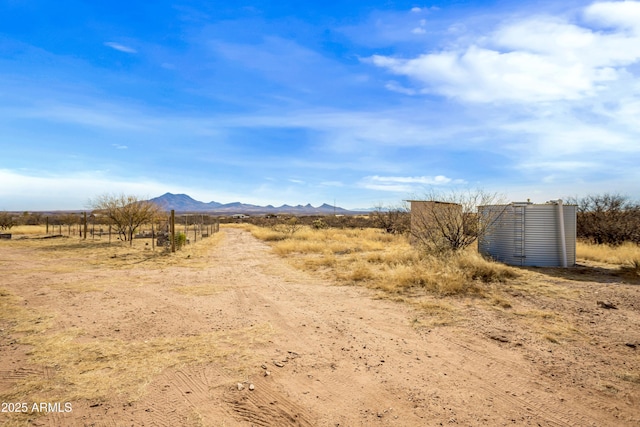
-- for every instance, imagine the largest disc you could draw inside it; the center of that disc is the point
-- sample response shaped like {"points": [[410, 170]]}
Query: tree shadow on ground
{"points": [[586, 272]]}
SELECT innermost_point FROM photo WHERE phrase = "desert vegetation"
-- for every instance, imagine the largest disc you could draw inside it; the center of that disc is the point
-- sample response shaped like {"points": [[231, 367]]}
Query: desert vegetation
{"points": [[449, 221], [610, 219], [126, 212], [110, 326], [6, 221], [385, 261]]}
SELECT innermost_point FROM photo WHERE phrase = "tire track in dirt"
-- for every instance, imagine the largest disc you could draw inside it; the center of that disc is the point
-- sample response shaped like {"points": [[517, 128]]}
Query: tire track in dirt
{"points": [[267, 405], [343, 319], [182, 397], [509, 383], [343, 357]]}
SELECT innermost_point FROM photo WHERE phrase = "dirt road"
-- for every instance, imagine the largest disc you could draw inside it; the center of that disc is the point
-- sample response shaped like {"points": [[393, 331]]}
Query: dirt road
{"points": [[301, 351]]}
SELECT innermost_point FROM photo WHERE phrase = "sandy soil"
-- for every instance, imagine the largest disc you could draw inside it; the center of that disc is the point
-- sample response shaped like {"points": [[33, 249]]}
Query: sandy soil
{"points": [[335, 355]]}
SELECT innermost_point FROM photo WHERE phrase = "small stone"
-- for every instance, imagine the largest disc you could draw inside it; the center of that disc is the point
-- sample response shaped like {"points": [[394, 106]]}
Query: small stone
{"points": [[267, 373], [278, 364], [252, 387], [607, 304], [264, 366], [240, 386]]}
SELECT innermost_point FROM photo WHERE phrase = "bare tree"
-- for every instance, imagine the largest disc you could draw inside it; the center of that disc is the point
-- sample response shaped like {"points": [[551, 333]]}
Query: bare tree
{"points": [[290, 226], [448, 221], [125, 212], [6, 221], [607, 218], [395, 220]]}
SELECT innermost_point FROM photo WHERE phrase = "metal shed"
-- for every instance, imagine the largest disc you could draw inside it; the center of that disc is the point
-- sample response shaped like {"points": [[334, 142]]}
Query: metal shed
{"points": [[523, 233]]}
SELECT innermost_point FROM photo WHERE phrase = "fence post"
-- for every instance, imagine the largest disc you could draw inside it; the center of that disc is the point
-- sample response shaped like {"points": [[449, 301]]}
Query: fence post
{"points": [[173, 230], [85, 225]]}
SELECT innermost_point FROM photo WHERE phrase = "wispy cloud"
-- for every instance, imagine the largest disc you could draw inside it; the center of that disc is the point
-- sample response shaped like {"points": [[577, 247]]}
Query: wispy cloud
{"points": [[120, 47], [119, 147], [332, 184], [406, 184], [539, 59]]}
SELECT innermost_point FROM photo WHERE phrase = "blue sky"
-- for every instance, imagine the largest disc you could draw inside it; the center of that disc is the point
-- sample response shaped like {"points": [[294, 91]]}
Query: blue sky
{"points": [[364, 103]]}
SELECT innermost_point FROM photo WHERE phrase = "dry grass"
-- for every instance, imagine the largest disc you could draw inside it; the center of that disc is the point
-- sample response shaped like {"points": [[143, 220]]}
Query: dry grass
{"points": [[94, 369], [115, 254], [30, 230], [550, 326], [17, 318], [625, 254], [197, 290], [379, 260], [84, 367], [441, 286], [626, 257]]}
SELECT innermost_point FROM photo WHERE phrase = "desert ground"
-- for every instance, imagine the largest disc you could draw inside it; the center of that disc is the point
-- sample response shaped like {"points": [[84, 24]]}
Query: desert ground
{"points": [[229, 333]]}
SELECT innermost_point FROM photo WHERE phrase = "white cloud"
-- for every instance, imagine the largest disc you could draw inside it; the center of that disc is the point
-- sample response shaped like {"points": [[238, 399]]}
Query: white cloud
{"points": [[539, 59], [120, 47], [44, 191], [615, 14], [567, 166], [406, 184], [397, 87], [430, 180], [119, 147]]}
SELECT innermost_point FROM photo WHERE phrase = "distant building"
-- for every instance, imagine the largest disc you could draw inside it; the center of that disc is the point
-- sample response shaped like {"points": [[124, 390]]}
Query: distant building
{"points": [[239, 216], [430, 217]]}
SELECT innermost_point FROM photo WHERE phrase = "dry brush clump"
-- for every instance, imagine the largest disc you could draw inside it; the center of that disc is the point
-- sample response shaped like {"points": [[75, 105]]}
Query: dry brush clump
{"points": [[626, 253], [608, 219], [388, 262], [626, 256]]}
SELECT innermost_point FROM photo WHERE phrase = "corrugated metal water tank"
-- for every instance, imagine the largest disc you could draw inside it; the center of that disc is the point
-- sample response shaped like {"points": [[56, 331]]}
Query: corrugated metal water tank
{"points": [[528, 234]]}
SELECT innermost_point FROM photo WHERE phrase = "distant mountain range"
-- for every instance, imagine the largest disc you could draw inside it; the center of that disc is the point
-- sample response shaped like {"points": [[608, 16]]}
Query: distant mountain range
{"points": [[184, 203]]}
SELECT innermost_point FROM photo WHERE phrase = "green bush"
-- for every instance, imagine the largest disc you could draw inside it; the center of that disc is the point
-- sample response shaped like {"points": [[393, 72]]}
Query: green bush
{"points": [[181, 240]]}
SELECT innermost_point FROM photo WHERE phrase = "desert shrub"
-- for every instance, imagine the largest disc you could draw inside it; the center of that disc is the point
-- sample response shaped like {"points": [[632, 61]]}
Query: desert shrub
{"points": [[360, 271], [180, 239], [448, 221], [6, 221], [373, 258], [394, 220], [289, 227], [267, 234], [607, 219], [319, 224], [477, 267]]}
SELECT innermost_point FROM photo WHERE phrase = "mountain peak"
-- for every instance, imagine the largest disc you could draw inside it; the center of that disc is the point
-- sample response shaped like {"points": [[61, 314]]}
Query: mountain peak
{"points": [[185, 203]]}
